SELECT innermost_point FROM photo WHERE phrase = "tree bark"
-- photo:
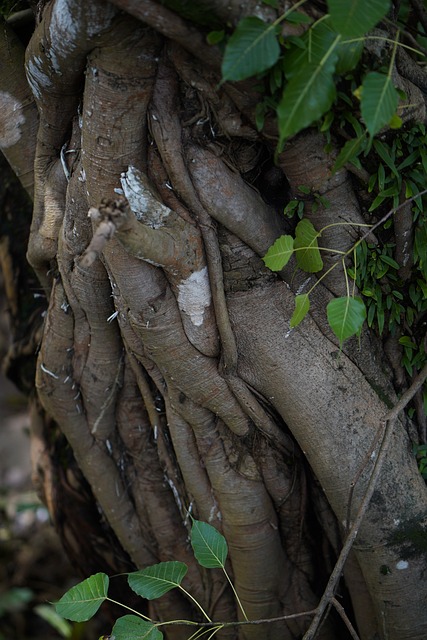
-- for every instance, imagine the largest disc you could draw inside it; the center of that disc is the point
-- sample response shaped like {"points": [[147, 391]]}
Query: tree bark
{"points": [[167, 369]]}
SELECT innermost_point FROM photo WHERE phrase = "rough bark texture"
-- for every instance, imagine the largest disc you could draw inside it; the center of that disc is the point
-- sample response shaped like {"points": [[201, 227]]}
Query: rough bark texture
{"points": [[167, 376]]}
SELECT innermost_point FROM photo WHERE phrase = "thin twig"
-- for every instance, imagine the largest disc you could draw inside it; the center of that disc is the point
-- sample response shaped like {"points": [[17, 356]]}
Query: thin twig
{"points": [[340, 609], [389, 423]]}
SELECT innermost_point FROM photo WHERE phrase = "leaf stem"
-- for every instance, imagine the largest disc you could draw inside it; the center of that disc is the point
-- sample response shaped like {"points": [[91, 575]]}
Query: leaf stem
{"points": [[138, 613], [195, 602], [236, 595], [400, 44]]}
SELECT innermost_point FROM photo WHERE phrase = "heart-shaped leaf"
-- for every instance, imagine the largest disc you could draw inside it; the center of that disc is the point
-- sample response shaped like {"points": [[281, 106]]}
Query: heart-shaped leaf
{"points": [[378, 102], [279, 253], [252, 49], [346, 316], [133, 628], [302, 307], [158, 579], [353, 18], [209, 546], [306, 248], [82, 601]]}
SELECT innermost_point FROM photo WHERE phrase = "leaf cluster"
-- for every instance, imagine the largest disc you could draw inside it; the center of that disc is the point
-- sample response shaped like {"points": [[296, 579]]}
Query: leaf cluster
{"points": [[303, 71], [81, 602], [346, 314]]}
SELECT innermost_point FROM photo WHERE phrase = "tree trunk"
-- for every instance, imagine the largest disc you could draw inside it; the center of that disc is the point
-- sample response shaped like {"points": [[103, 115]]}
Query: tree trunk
{"points": [[168, 380]]}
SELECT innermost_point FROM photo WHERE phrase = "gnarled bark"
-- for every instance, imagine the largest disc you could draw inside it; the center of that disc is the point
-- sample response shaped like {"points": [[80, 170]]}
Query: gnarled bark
{"points": [[167, 360]]}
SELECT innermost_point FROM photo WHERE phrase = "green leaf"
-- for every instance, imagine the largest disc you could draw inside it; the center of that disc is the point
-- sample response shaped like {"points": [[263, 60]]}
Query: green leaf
{"points": [[214, 37], [14, 599], [133, 628], [308, 254], [302, 307], [314, 46], [353, 18], [296, 17], [379, 101], [82, 601], [279, 253], [252, 49], [349, 152], [209, 546], [407, 342], [154, 581], [306, 97], [57, 622], [384, 153], [346, 316], [349, 54], [389, 261]]}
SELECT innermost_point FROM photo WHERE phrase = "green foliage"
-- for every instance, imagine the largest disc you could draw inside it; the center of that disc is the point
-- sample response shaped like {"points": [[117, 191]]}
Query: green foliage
{"points": [[306, 247], [379, 101], [251, 49], [303, 72], [421, 455], [346, 316], [155, 581], [131, 627], [209, 546], [302, 307], [14, 599], [279, 253], [57, 622], [354, 18], [83, 600]]}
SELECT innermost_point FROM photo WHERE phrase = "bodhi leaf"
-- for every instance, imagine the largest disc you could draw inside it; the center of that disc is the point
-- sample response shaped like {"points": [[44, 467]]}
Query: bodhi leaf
{"points": [[82, 601], [252, 49], [279, 253], [346, 316], [302, 307], [314, 45], [306, 248], [378, 102], [133, 628], [349, 54], [209, 546], [353, 18], [158, 579], [307, 96]]}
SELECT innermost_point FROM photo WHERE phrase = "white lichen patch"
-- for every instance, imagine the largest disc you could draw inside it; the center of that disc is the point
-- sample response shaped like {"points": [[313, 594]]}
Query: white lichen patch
{"points": [[402, 565], [143, 203], [69, 20], [37, 78], [194, 295], [12, 120]]}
